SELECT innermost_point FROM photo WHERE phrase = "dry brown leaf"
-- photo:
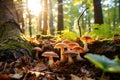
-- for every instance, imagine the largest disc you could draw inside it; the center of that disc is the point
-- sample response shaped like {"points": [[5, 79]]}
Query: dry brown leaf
{"points": [[74, 77], [62, 78], [87, 78]]}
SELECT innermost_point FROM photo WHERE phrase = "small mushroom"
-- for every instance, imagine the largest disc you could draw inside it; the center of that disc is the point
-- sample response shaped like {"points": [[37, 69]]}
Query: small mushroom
{"points": [[86, 40], [73, 44], [66, 41], [79, 50], [70, 54], [61, 46], [50, 55], [37, 51]]}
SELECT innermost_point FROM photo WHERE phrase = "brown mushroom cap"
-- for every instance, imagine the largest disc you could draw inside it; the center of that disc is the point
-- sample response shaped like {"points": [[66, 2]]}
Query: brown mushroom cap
{"points": [[60, 45], [78, 49], [67, 41], [50, 54], [87, 39], [73, 44], [37, 49], [70, 53]]}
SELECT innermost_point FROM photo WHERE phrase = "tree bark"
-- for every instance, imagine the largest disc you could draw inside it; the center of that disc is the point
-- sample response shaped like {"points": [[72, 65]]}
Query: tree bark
{"points": [[7, 11], [119, 9], [41, 17], [11, 38], [45, 19], [98, 16], [60, 16], [51, 18]]}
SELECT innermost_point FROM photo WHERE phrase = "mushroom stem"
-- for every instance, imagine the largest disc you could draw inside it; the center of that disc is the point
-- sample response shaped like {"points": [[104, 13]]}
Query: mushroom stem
{"points": [[78, 57], [36, 55], [51, 61], [62, 59], [70, 60], [86, 47]]}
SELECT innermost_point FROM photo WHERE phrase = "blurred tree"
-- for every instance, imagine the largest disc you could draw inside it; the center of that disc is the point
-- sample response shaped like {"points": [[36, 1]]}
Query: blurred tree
{"points": [[51, 18], [60, 16], [119, 9], [20, 11], [40, 17], [114, 14], [98, 16], [45, 17]]}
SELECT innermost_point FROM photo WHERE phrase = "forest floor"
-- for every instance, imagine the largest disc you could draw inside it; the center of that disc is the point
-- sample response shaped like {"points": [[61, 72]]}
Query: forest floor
{"points": [[27, 68]]}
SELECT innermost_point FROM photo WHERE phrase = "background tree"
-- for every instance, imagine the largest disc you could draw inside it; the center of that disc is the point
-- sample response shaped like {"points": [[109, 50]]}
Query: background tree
{"points": [[40, 17], [98, 16], [45, 18], [119, 9], [52, 30], [60, 16], [73, 8]]}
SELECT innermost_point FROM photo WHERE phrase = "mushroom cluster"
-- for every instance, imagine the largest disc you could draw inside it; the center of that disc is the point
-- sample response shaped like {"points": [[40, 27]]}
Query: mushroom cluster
{"points": [[68, 50], [73, 50]]}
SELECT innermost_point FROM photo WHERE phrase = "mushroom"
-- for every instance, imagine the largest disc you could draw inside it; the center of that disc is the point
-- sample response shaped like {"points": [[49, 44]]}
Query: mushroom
{"points": [[37, 51], [73, 44], [79, 50], [61, 46], [70, 54], [50, 55], [66, 41], [86, 40]]}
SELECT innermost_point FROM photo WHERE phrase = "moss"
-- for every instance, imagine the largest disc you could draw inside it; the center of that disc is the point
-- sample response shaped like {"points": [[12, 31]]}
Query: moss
{"points": [[11, 38], [16, 42]]}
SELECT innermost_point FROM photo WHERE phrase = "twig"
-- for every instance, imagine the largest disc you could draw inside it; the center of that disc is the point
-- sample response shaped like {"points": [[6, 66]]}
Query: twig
{"points": [[4, 66], [79, 20]]}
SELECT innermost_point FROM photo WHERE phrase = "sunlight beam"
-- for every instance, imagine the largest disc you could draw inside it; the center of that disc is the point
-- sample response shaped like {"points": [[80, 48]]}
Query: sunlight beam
{"points": [[34, 6]]}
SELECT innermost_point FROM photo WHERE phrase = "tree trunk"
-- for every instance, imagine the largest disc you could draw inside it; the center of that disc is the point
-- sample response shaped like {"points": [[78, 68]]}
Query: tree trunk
{"points": [[7, 11], [40, 17], [51, 18], [45, 19], [11, 39], [119, 9], [98, 16], [115, 21], [60, 16]]}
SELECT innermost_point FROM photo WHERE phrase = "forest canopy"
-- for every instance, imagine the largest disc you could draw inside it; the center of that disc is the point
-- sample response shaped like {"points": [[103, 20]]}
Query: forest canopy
{"points": [[48, 17]]}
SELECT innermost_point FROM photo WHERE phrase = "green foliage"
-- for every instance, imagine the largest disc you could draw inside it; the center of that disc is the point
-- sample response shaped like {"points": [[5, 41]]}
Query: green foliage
{"points": [[101, 31], [66, 34], [104, 63], [117, 30]]}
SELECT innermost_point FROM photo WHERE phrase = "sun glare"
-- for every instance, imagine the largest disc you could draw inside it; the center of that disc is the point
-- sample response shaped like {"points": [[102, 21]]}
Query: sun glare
{"points": [[34, 6]]}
